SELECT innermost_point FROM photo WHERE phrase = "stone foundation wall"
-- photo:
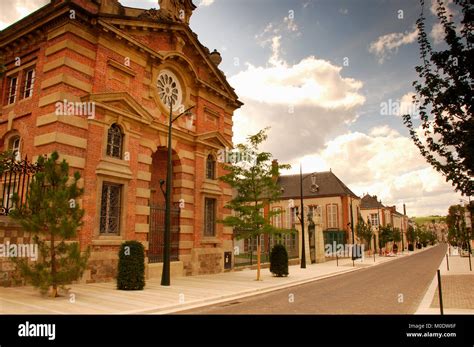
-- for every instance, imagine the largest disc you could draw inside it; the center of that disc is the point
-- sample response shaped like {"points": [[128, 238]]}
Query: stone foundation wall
{"points": [[11, 233], [207, 261]]}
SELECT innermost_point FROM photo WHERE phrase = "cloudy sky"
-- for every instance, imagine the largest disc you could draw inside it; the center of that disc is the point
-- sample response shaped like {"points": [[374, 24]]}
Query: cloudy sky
{"points": [[327, 77]]}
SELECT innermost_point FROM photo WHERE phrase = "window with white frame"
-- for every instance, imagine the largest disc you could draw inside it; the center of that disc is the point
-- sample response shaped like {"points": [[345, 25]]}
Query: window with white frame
{"points": [[14, 147], [374, 219], [29, 83], [332, 216], [277, 218], [12, 89], [293, 216]]}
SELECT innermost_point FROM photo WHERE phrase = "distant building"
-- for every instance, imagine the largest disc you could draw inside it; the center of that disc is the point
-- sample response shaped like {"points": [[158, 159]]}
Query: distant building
{"points": [[329, 200], [377, 214]]}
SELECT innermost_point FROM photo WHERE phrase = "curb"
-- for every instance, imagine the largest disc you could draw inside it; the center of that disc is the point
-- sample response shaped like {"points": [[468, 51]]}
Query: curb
{"points": [[258, 291]]}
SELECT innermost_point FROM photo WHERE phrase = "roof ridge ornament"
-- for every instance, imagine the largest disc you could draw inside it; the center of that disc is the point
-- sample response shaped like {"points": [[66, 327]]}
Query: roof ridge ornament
{"points": [[177, 10]]}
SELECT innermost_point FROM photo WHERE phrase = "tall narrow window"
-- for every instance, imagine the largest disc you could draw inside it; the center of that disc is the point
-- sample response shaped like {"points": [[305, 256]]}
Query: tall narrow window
{"points": [[110, 208], [277, 218], [14, 147], [209, 217], [374, 219], [114, 141], [29, 83], [12, 90], [332, 216], [210, 167]]}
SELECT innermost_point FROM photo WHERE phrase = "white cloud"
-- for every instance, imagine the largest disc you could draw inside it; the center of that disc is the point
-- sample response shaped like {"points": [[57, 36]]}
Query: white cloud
{"points": [[206, 2], [304, 103], [343, 11], [13, 10], [286, 26], [387, 164], [447, 4], [437, 31], [387, 45]]}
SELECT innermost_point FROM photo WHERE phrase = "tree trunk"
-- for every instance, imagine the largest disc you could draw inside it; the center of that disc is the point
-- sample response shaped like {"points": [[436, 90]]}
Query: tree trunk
{"points": [[54, 292], [259, 246]]}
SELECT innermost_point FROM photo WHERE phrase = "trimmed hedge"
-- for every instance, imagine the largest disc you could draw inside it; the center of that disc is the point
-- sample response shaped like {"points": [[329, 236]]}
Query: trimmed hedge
{"points": [[131, 266], [279, 261]]}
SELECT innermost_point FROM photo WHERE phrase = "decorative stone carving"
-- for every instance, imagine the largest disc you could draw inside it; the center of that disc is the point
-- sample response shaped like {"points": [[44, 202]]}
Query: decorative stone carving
{"points": [[177, 10], [215, 57]]}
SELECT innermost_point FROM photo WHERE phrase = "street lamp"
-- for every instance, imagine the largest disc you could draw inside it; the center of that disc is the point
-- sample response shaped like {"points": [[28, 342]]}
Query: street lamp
{"points": [[314, 188], [165, 275], [468, 225]]}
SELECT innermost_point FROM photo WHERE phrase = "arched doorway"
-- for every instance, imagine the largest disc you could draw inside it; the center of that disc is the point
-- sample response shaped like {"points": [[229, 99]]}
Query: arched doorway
{"points": [[158, 209]]}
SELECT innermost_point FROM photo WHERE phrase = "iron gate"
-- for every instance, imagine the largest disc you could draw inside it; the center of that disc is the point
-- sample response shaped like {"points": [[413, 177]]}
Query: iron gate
{"points": [[156, 235], [15, 176]]}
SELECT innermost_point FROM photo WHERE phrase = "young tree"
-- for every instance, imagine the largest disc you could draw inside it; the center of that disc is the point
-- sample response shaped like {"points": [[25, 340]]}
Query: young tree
{"points": [[411, 234], [445, 99], [364, 231], [255, 186], [385, 235], [53, 215], [457, 231]]}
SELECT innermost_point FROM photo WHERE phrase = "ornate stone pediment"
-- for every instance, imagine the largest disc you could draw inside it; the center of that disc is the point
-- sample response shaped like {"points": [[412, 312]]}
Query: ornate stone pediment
{"points": [[122, 104], [214, 139]]}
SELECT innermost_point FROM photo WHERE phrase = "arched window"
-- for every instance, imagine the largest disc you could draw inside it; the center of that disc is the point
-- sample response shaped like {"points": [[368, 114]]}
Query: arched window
{"points": [[210, 167], [14, 146], [114, 141]]}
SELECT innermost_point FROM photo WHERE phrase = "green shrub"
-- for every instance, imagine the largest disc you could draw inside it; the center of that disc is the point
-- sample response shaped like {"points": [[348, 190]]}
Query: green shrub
{"points": [[131, 266], [279, 261]]}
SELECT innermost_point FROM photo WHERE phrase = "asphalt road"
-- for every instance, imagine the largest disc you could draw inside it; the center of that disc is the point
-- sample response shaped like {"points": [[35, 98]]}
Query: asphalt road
{"points": [[396, 287]]}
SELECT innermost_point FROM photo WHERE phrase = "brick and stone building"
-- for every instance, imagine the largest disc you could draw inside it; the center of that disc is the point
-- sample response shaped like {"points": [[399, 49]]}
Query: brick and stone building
{"points": [[373, 211], [94, 80], [329, 201]]}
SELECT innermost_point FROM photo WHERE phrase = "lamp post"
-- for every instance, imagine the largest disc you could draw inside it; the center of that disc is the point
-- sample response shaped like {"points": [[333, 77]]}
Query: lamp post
{"points": [[165, 275], [315, 187], [468, 227], [353, 238]]}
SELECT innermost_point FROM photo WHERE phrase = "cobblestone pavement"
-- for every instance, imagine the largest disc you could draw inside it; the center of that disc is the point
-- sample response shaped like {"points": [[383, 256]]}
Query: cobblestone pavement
{"points": [[457, 292], [396, 287]]}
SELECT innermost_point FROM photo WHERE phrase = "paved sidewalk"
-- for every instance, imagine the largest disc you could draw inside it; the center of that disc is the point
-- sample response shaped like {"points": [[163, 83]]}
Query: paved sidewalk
{"points": [[456, 285], [184, 292]]}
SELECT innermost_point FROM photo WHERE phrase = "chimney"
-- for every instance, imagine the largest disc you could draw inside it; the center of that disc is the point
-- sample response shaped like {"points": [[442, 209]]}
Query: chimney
{"points": [[404, 210], [275, 169]]}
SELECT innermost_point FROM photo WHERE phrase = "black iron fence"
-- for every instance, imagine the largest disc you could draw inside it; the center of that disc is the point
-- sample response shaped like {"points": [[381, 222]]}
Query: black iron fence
{"points": [[156, 235], [15, 177], [245, 253]]}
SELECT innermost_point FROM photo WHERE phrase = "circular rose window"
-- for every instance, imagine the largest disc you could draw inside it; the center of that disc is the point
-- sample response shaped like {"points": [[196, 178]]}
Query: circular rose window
{"points": [[169, 89]]}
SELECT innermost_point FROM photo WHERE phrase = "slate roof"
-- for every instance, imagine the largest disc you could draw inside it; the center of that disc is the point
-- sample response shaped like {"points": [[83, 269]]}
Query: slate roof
{"points": [[370, 202], [328, 185]]}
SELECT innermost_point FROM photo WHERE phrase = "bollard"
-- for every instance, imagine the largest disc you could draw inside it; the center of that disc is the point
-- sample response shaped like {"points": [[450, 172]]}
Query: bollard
{"points": [[375, 248], [440, 292], [447, 261], [337, 260], [469, 250]]}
